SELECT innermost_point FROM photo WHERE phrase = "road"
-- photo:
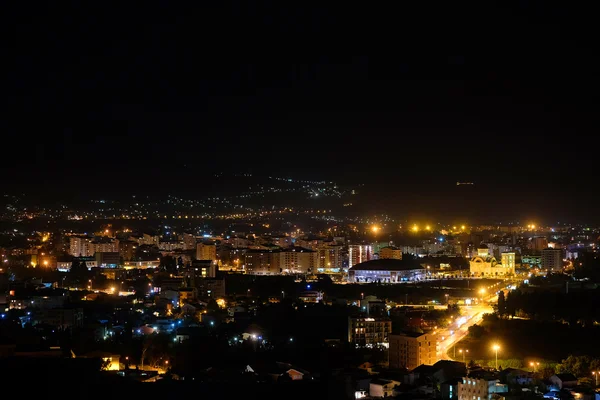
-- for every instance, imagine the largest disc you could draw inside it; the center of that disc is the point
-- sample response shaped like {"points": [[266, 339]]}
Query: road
{"points": [[471, 315], [459, 328]]}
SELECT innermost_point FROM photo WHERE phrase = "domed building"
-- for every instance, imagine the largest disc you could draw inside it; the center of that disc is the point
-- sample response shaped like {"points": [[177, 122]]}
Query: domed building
{"points": [[386, 271], [486, 265]]}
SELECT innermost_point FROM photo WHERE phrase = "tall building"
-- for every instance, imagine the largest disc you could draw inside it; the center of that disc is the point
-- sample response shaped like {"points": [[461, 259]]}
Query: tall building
{"points": [[538, 243], [105, 245], [127, 249], [201, 269], [206, 251], [358, 253], [298, 260], [409, 350], [329, 259], [390, 252], [149, 240], [552, 259], [508, 260], [369, 331], [262, 262], [189, 241], [81, 246]]}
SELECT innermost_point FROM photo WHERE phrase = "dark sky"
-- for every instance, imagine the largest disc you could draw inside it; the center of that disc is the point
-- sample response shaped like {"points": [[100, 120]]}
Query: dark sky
{"points": [[408, 99]]}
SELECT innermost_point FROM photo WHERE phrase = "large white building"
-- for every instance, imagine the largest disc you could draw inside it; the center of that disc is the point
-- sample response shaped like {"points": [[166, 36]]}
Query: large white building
{"points": [[386, 271]]}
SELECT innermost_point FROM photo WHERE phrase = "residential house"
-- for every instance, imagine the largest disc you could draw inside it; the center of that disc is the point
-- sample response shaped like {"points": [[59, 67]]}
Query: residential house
{"points": [[563, 381], [379, 388]]}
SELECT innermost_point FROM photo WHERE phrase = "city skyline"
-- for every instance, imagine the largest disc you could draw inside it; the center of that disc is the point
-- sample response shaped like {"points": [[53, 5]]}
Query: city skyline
{"points": [[459, 107]]}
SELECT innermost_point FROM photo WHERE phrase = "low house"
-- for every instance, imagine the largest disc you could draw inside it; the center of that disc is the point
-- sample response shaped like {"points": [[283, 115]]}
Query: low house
{"points": [[379, 388], [278, 370], [517, 376], [563, 381]]}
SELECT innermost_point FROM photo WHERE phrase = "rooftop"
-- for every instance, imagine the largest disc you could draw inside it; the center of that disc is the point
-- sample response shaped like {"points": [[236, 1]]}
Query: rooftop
{"points": [[387, 265]]}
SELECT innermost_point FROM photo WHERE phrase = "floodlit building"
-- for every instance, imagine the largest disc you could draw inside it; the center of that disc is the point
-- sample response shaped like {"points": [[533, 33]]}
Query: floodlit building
{"points": [[206, 251], [386, 271], [485, 265], [409, 350], [390, 252], [298, 260]]}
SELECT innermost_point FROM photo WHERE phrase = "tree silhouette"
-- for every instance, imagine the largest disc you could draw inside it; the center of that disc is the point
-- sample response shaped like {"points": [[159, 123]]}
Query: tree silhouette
{"points": [[501, 304]]}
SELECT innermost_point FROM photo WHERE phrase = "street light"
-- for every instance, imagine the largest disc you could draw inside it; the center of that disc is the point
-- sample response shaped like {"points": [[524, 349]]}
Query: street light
{"points": [[496, 348], [463, 353], [534, 365], [596, 373]]}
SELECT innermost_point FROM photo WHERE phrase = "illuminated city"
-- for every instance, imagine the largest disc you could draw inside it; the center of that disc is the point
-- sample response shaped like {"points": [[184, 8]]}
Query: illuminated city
{"points": [[236, 200]]}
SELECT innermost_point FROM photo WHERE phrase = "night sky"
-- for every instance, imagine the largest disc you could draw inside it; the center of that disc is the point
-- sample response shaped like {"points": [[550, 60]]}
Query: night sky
{"points": [[407, 100]]}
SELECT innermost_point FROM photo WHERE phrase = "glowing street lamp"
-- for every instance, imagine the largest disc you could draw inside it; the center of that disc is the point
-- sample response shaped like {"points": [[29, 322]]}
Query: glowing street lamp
{"points": [[496, 347], [463, 352], [415, 228], [534, 365], [596, 373], [375, 228]]}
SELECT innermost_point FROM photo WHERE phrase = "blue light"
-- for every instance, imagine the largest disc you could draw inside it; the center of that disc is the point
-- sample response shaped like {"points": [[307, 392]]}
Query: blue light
{"points": [[308, 286], [179, 322], [3, 315], [441, 239]]}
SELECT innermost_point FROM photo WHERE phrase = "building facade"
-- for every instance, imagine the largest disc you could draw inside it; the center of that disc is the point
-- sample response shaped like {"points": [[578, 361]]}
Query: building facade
{"points": [[262, 262], [358, 253], [81, 246], [386, 271], [329, 260], [484, 265], [206, 251], [369, 332], [552, 259], [298, 260], [409, 350], [390, 252]]}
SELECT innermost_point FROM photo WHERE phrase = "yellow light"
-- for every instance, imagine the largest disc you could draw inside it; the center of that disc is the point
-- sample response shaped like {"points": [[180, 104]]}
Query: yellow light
{"points": [[415, 228], [462, 227], [532, 226], [496, 347], [454, 227], [428, 228], [482, 291], [375, 229]]}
